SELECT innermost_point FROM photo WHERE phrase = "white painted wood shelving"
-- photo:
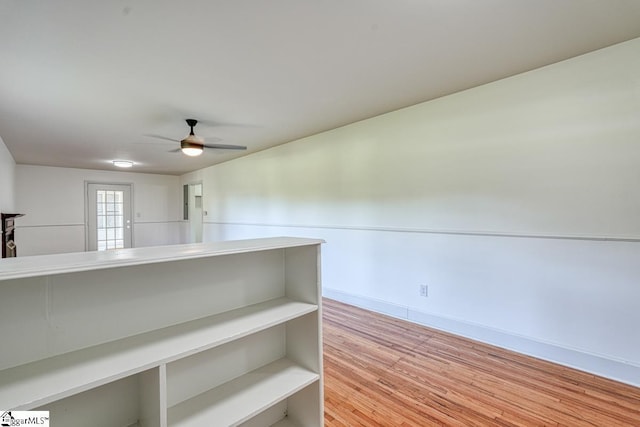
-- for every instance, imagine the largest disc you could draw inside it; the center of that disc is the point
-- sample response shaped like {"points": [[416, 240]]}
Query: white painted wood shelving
{"points": [[214, 334]]}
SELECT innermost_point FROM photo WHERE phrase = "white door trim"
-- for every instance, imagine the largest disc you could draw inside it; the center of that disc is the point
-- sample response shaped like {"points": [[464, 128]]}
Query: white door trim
{"points": [[87, 224]]}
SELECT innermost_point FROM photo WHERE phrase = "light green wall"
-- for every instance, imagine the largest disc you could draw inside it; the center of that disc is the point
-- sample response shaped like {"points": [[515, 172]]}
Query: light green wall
{"points": [[53, 200], [516, 202], [552, 151]]}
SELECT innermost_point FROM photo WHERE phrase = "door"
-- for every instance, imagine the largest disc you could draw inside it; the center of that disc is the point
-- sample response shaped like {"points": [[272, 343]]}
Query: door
{"points": [[194, 211], [108, 216]]}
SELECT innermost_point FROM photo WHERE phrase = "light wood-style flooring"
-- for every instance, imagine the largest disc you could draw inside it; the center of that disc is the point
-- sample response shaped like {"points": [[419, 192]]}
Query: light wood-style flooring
{"points": [[381, 371]]}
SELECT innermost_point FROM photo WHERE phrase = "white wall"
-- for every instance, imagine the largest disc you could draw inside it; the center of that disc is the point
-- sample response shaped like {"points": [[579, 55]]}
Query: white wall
{"points": [[517, 203], [53, 200], [7, 173]]}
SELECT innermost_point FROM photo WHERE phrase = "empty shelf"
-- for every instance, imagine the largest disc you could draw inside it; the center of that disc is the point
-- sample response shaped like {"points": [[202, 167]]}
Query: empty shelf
{"points": [[239, 400], [38, 383]]}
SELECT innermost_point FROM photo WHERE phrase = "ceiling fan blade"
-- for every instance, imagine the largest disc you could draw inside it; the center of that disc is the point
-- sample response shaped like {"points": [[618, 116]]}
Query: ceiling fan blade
{"points": [[211, 138], [162, 137], [177, 150], [225, 146], [165, 143]]}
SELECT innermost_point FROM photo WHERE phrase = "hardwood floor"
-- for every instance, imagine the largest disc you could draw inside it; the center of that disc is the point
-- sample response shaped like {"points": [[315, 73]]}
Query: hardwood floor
{"points": [[381, 371]]}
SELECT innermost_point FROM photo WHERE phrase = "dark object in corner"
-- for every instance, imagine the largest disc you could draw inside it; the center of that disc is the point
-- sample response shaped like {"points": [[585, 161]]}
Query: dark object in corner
{"points": [[8, 235]]}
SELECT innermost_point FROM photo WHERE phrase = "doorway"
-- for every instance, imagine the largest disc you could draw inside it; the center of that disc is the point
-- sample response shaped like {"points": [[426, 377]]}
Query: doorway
{"points": [[108, 208], [193, 211]]}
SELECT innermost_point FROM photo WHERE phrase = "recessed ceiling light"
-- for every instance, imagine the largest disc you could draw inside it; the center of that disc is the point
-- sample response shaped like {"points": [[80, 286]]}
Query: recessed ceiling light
{"points": [[123, 163]]}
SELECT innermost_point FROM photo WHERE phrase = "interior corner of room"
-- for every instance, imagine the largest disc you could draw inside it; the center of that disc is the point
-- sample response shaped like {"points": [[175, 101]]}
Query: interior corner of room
{"points": [[507, 213]]}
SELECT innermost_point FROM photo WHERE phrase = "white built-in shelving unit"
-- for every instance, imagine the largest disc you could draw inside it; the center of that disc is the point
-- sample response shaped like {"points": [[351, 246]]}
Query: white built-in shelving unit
{"points": [[215, 334]]}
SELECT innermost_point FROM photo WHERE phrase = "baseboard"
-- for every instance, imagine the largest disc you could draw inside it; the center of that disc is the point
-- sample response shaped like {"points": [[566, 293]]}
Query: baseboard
{"points": [[597, 365]]}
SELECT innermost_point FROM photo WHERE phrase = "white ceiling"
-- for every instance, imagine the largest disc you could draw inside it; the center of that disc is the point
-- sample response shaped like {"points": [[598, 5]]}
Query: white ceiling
{"points": [[83, 82]]}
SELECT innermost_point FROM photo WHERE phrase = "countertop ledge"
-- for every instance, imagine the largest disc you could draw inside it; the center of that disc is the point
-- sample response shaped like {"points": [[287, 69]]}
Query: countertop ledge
{"points": [[42, 265]]}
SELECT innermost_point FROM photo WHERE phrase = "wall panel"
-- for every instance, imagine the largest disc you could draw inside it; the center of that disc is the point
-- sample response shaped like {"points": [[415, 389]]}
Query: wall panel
{"points": [[515, 202]]}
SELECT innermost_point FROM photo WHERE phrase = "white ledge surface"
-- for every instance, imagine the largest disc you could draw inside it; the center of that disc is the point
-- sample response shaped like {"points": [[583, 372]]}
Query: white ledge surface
{"points": [[42, 265]]}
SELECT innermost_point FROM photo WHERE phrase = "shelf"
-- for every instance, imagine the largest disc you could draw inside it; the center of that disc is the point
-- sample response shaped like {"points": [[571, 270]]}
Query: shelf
{"points": [[229, 332], [38, 383], [238, 400]]}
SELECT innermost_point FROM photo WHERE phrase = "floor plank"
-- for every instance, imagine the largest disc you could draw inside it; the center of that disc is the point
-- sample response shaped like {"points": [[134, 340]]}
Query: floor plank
{"points": [[382, 371]]}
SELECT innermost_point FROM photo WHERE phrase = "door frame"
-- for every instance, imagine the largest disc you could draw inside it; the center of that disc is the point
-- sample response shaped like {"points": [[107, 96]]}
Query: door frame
{"points": [[186, 204], [86, 208]]}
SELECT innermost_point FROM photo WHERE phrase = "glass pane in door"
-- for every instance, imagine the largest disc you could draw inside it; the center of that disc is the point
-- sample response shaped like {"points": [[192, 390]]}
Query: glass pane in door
{"points": [[110, 219]]}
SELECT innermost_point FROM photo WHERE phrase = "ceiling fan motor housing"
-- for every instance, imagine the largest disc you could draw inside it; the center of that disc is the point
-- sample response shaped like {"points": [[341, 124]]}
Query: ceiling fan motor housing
{"points": [[189, 143]]}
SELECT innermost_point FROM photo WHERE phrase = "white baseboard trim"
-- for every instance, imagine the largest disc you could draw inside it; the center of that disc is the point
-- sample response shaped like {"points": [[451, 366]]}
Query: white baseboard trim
{"points": [[597, 365]]}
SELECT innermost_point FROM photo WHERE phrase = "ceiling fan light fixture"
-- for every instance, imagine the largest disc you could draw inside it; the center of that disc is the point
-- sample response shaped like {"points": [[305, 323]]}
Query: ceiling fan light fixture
{"points": [[122, 163], [193, 139], [192, 151], [190, 148]]}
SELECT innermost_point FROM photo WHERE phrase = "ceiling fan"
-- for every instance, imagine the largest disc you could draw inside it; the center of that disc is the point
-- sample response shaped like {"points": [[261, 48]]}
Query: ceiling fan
{"points": [[193, 145]]}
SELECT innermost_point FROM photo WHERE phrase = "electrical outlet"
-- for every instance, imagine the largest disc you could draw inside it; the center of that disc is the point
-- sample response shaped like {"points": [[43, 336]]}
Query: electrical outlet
{"points": [[424, 291]]}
